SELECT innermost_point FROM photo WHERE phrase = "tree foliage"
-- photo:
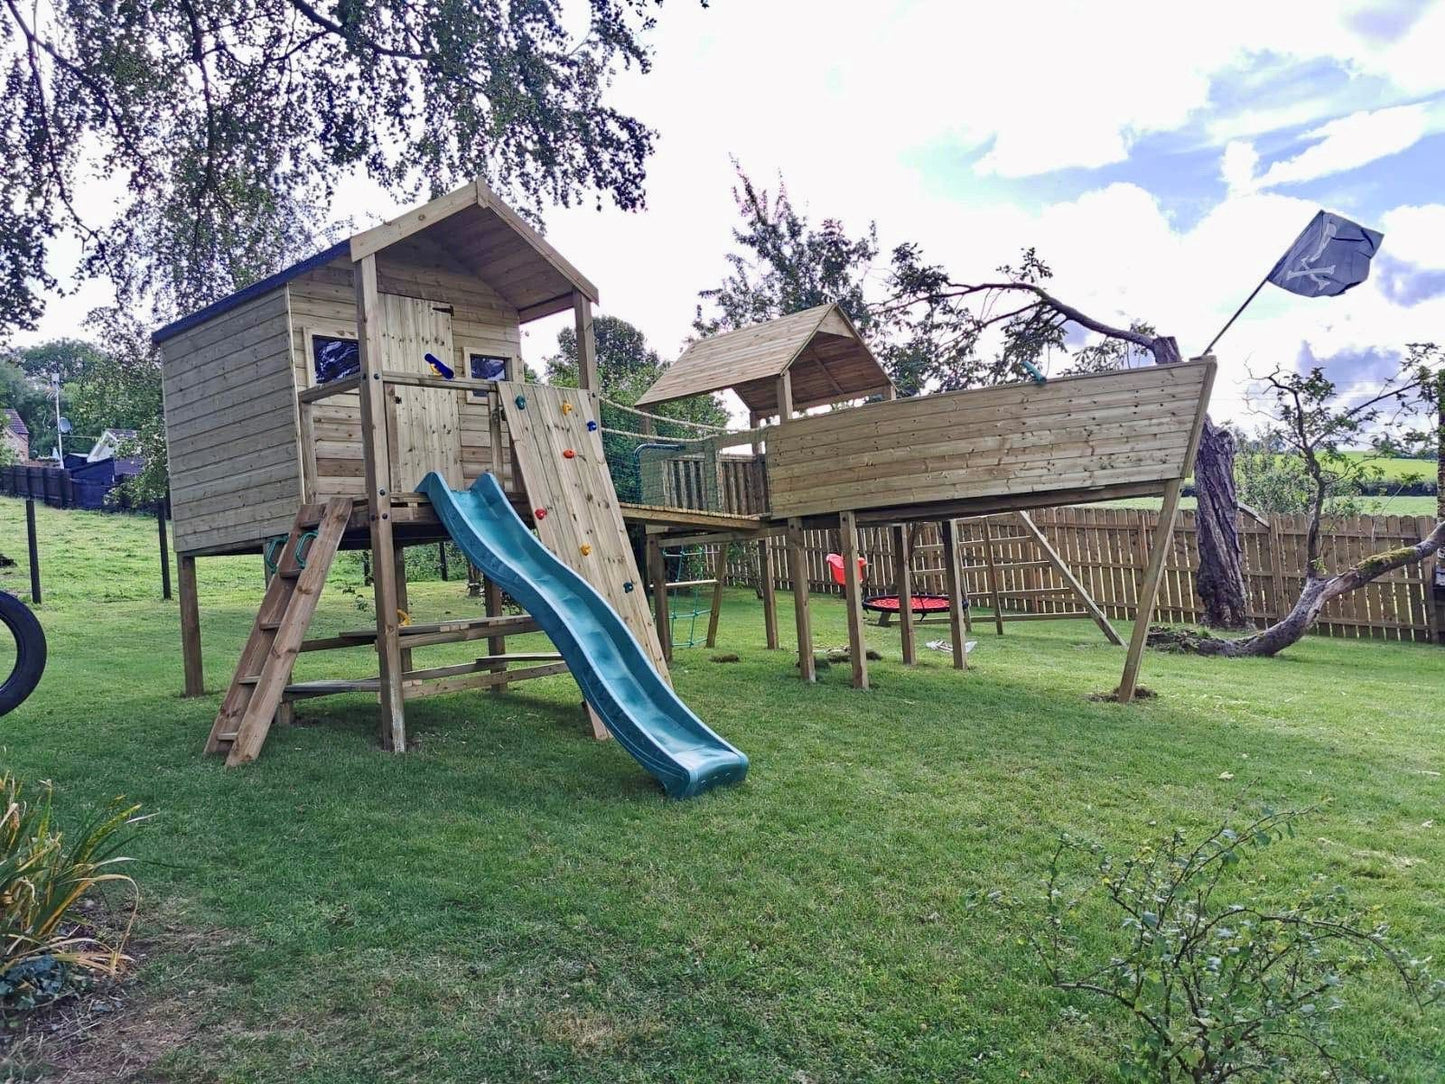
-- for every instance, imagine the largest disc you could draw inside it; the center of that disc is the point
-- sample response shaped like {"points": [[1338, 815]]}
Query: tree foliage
{"points": [[929, 329], [627, 367], [224, 124], [1225, 977]]}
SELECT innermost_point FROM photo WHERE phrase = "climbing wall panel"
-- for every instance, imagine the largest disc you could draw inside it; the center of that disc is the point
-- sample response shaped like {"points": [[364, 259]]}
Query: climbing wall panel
{"points": [[559, 450]]}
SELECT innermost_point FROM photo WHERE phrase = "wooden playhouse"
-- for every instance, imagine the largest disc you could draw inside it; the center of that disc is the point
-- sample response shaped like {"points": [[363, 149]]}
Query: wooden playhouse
{"points": [[303, 411]]}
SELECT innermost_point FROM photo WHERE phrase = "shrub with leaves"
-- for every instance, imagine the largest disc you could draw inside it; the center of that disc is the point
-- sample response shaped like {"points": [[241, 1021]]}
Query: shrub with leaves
{"points": [[44, 876], [1222, 985]]}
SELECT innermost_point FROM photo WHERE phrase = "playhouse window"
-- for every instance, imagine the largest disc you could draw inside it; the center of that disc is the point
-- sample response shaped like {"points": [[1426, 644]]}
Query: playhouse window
{"points": [[487, 367], [334, 358]]}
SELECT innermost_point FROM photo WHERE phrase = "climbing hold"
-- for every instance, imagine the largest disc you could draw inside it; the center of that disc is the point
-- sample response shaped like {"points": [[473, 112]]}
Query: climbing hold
{"points": [[568, 453], [591, 427], [540, 513], [566, 408], [521, 402], [628, 586], [403, 618], [586, 550]]}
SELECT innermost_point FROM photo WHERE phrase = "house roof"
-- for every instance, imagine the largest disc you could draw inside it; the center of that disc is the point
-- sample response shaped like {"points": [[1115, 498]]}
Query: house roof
{"points": [[15, 423], [819, 347], [468, 230]]}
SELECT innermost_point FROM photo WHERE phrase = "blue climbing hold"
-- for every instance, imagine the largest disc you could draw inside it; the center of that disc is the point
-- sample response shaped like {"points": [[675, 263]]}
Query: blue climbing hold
{"points": [[521, 402], [627, 587], [442, 368], [591, 427]]}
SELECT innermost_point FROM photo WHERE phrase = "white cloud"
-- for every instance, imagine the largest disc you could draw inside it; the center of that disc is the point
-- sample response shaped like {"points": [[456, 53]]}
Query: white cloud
{"points": [[1351, 142], [1416, 235], [1237, 166]]}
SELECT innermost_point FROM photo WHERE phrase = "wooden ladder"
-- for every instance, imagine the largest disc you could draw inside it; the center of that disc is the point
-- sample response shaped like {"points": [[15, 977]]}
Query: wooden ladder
{"points": [[281, 623]]}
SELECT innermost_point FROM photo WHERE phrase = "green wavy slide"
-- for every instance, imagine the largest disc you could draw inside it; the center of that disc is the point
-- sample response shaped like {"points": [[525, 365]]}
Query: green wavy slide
{"points": [[618, 679]]}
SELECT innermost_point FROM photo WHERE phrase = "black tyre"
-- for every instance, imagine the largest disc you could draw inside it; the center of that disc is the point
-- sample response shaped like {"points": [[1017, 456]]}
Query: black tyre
{"points": [[29, 638]]}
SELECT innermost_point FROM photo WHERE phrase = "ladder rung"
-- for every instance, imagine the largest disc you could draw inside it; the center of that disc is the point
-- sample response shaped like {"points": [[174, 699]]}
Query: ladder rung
{"points": [[269, 626], [227, 737], [248, 680]]}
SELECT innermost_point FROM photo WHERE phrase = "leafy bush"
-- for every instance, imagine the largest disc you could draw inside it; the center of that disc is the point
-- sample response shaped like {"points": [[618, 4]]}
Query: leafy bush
{"points": [[44, 876], [1234, 990]]}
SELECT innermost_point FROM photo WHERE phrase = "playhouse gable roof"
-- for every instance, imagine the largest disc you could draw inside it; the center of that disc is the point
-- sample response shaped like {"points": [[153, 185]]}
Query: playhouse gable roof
{"points": [[469, 230], [820, 348]]}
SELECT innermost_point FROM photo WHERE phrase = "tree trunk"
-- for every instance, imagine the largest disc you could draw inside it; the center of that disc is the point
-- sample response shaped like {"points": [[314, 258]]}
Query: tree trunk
{"points": [[1220, 581], [1318, 591]]}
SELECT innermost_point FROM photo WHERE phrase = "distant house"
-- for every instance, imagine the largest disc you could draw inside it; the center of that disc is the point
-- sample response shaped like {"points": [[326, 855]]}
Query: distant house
{"points": [[15, 434]]}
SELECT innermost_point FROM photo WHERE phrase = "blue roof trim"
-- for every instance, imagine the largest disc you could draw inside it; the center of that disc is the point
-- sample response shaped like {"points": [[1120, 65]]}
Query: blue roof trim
{"points": [[250, 293]]}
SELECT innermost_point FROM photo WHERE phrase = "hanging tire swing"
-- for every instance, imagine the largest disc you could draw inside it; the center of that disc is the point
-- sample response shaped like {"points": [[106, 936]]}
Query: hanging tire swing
{"points": [[22, 626]]}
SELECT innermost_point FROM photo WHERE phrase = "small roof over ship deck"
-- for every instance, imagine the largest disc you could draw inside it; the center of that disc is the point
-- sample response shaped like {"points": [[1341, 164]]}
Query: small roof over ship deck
{"points": [[468, 231], [819, 348]]}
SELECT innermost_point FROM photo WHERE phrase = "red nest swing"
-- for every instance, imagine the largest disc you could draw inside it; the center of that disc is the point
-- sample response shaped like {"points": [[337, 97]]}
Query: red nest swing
{"points": [[922, 604]]}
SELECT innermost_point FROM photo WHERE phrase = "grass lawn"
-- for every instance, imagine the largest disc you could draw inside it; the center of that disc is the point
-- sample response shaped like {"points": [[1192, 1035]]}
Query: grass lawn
{"points": [[513, 901], [1379, 506]]}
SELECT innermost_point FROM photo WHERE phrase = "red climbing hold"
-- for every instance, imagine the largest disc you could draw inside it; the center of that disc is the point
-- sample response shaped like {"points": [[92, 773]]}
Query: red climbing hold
{"points": [[569, 454], [540, 513]]}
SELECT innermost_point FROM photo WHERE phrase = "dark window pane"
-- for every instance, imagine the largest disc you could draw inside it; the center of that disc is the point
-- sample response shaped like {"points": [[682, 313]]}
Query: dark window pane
{"points": [[333, 359], [487, 367]]}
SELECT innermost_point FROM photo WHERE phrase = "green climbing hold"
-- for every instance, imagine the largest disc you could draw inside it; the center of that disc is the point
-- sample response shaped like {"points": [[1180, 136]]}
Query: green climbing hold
{"points": [[521, 402], [628, 587]]}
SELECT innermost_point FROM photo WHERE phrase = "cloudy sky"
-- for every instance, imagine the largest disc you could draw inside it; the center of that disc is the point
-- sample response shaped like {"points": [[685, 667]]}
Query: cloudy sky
{"points": [[1160, 156]]}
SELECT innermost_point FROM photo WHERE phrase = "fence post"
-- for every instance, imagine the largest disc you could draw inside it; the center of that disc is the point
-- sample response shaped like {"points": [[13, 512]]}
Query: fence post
{"points": [[165, 549], [442, 560], [34, 550]]}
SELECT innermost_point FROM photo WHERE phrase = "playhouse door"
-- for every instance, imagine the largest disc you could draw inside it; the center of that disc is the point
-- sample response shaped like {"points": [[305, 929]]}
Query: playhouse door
{"points": [[423, 429]]}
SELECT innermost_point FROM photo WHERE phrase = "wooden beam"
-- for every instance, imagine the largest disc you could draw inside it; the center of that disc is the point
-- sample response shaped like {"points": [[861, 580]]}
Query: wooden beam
{"points": [[586, 344], [1067, 574], [802, 618], [195, 683], [853, 594], [1149, 592], [376, 461], [496, 645], [953, 580], [768, 590], [402, 606], [992, 566], [657, 576], [369, 242], [719, 571], [330, 388], [785, 396], [903, 584]]}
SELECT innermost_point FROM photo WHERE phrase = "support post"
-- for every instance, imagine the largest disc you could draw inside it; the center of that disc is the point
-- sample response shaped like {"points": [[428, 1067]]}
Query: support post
{"points": [[586, 344], [657, 574], [496, 645], [953, 580], [853, 594], [994, 598], [32, 542], [376, 460], [165, 544], [719, 573], [769, 592], [474, 577], [785, 397], [403, 606], [798, 573], [1149, 591], [190, 625], [1067, 574], [903, 581], [442, 561]]}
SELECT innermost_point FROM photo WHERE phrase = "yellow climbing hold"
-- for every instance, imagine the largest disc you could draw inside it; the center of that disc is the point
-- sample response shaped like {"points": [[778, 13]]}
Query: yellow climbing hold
{"points": [[566, 408], [403, 618], [586, 550]]}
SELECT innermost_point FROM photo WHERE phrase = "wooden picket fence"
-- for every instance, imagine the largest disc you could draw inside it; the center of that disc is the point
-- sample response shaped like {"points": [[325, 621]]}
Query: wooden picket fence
{"points": [[1107, 549]]}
